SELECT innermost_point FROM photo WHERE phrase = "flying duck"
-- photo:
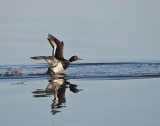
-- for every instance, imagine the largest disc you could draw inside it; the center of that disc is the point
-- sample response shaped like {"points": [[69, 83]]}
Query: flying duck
{"points": [[56, 62]]}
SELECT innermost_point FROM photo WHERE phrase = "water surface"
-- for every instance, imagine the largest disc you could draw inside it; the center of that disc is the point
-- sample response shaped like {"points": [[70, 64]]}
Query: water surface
{"points": [[88, 94], [100, 71]]}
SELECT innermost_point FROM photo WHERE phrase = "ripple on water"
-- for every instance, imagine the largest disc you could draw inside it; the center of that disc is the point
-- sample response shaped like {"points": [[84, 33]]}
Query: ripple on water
{"points": [[85, 71]]}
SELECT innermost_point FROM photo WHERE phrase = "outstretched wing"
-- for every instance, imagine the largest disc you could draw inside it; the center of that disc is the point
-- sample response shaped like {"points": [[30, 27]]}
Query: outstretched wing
{"points": [[51, 60], [58, 47]]}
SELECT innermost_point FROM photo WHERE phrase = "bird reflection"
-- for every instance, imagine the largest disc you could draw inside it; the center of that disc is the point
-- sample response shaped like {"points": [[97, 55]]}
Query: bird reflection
{"points": [[57, 86]]}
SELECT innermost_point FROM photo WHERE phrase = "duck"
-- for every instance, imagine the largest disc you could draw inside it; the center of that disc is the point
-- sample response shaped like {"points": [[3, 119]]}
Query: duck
{"points": [[56, 62]]}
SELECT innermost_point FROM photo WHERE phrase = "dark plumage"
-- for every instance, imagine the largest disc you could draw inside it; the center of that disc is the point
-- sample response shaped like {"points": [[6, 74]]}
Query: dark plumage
{"points": [[56, 62]]}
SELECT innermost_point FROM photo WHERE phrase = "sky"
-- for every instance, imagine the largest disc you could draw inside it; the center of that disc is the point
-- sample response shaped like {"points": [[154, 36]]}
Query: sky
{"points": [[94, 30]]}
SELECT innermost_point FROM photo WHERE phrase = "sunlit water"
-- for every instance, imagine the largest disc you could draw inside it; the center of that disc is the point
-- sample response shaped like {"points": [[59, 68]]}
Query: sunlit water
{"points": [[100, 71]]}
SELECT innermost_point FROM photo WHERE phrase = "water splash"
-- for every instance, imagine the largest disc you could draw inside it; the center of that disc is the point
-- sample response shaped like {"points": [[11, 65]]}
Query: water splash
{"points": [[100, 71], [23, 71], [14, 71]]}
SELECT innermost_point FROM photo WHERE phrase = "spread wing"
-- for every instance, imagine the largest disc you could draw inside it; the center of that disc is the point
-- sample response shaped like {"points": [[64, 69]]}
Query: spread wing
{"points": [[58, 47], [51, 60]]}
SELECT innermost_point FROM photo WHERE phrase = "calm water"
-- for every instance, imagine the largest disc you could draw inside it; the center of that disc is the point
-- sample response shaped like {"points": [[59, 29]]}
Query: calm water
{"points": [[87, 94], [96, 31]]}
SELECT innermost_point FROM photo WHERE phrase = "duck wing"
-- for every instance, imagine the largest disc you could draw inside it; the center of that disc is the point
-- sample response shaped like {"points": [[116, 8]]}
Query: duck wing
{"points": [[51, 60], [58, 47]]}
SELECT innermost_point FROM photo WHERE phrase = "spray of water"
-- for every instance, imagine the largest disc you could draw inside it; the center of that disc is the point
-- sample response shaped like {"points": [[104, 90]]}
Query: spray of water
{"points": [[14, 71]]}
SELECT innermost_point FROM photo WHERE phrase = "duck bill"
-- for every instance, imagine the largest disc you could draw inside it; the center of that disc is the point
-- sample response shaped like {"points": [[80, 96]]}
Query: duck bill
{"points": [[79, 59]]}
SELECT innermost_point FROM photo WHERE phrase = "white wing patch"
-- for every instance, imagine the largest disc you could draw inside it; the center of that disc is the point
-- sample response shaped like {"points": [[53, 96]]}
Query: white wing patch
{"points": [[54, 50], [54, 47]]}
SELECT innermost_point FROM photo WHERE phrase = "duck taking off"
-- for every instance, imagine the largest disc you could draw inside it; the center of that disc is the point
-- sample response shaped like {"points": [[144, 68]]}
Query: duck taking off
{"points": [[56, 62]]}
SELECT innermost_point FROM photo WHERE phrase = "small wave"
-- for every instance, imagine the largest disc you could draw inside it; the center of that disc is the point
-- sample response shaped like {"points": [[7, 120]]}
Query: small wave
{"points": [[101, 71]]}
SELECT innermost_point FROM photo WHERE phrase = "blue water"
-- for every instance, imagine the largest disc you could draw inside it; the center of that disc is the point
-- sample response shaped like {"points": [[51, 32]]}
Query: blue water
{"points": [[89, 71], [96, 31], [88, 94]]}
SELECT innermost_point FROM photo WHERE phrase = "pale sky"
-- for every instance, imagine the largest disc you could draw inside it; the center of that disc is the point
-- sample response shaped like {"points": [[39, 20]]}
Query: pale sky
{"points": [[95, 30]]}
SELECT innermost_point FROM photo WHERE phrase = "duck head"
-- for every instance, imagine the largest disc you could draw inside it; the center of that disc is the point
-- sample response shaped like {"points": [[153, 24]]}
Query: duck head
{"points": [[74, 58]]}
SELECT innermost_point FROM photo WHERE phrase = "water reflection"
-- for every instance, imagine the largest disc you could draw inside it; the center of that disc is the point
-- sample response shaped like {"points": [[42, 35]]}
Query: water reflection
{"points": [[57, 86]]}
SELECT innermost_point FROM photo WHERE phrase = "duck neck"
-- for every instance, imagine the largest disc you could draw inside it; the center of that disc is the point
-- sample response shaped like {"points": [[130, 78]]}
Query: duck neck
{"points": [[71, 59]]}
